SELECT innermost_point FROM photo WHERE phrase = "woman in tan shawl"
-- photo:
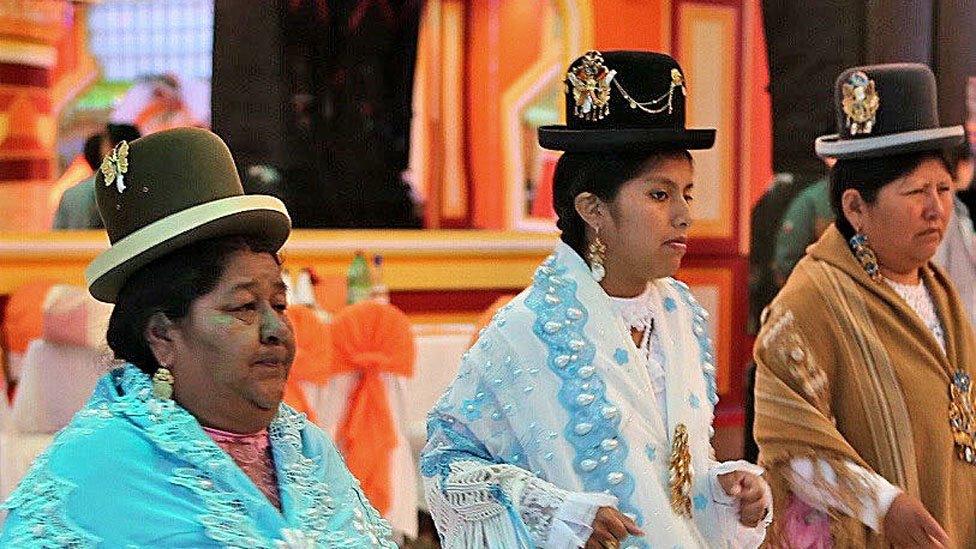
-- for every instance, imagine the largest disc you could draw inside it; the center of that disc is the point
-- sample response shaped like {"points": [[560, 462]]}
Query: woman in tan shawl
{"points": [[864, 405]]}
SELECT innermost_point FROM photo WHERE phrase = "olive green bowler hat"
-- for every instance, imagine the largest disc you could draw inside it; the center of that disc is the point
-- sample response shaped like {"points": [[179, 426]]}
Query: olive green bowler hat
{"points": [[169, 189]]}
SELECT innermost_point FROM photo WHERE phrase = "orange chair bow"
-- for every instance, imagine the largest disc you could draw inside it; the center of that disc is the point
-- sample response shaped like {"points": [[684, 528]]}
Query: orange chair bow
{"points": [[313, 357], [24, 315], [371, 339]]}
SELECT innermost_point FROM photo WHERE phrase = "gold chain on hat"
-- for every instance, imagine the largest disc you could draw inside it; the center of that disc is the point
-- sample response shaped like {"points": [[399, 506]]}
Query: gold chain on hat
{"points": [[677, 81]]}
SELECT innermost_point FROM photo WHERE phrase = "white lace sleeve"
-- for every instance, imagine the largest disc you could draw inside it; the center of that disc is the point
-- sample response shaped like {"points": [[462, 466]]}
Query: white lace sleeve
{"points": [[726, 510], [874, 504], [477, 502], [572, 524]]}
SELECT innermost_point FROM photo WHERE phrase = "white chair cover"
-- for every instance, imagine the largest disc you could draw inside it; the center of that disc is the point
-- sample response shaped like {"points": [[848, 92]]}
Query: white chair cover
{"points": [[56, 381], [329, 403]]}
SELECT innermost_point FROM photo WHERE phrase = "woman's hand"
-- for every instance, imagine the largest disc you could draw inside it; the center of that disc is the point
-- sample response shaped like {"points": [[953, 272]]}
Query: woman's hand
{"points": [[610, 527], [749, 490], [909, 524]]}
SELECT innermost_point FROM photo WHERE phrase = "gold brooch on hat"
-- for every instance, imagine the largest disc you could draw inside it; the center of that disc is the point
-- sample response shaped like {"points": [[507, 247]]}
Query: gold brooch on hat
{"points": [[115, 165], [591, 87], [860, 103]]}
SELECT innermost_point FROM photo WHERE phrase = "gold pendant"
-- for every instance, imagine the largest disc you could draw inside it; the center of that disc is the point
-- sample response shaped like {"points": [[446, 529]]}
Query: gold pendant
{"points": [[962, 416], [680, 469]]}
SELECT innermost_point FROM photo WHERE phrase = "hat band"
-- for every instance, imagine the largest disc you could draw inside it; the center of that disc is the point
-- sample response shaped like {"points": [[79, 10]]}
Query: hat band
{"points": [[833, 146]]}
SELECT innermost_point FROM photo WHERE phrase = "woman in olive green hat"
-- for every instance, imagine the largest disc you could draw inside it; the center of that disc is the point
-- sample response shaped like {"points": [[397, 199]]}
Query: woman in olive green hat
{"points": [[187, 442]]}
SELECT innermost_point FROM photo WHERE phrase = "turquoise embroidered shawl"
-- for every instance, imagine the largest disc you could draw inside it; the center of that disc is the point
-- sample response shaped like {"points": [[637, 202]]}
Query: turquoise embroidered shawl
{"points": [[134, 471]]}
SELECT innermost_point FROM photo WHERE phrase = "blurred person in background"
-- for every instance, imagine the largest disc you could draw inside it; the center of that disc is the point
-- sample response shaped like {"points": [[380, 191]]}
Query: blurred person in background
{"points": [[77, 209], [957, 255]]}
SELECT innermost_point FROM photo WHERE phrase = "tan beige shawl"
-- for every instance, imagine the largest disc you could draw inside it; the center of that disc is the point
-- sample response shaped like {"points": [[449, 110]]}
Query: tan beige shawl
{"points": [[847, 371]]}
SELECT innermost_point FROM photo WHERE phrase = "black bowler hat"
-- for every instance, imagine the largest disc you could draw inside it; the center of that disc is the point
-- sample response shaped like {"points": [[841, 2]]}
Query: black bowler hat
{"points": [[883, 110], [625, 101]]}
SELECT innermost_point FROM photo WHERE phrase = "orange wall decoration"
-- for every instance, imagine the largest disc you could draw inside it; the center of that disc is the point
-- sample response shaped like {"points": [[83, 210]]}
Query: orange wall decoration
{"points": [[508, 47], [43, 64], [632, 25], [437, 160]]}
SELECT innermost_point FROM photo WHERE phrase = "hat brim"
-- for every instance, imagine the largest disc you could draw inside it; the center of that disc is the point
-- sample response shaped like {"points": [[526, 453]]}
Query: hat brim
{"points": [[258, 215], [561, 138], [834, 146]]}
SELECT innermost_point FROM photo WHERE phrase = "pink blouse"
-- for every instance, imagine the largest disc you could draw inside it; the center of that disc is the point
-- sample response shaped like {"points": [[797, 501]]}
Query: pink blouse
{"points": [[252, 453]]}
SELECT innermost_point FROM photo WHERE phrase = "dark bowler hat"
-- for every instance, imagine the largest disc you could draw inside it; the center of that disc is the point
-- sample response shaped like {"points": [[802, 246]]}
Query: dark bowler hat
{"points": [[625, 101], [883, 110], [167, 190]]}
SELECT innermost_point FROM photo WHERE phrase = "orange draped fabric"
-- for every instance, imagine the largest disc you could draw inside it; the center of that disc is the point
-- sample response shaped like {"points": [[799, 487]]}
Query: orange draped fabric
{"points": [[23, 318], [313, 357], [371, 339], [488, 314]]}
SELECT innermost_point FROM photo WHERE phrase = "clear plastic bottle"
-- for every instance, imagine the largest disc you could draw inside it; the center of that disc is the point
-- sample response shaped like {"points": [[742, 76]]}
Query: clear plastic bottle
{"points": [[380, 292]]}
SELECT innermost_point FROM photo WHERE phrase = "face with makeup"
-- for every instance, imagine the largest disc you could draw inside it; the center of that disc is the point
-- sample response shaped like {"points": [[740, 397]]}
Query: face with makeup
{"points": [[231, 354], [644, 226]]}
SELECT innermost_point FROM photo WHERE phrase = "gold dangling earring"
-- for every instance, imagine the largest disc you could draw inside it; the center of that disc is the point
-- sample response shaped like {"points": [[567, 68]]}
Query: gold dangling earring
{"points": [[865, 255], [597, 252], [162, 383]]}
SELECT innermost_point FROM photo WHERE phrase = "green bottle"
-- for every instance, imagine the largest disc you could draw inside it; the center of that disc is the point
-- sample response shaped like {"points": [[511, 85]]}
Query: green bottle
{"points": [[358, 281]]}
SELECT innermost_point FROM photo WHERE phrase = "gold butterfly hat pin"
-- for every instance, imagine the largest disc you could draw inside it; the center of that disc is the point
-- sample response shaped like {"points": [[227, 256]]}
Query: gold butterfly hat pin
{"points": [[115, 165]]}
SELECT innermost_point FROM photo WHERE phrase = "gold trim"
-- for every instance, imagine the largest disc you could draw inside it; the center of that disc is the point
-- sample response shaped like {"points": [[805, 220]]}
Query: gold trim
{"points": [[414, 260]]}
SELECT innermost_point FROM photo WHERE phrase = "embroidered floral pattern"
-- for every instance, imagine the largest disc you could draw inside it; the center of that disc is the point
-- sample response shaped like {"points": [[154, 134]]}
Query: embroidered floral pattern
{"points": [[40, 500], [620, 357], [787, 346]]}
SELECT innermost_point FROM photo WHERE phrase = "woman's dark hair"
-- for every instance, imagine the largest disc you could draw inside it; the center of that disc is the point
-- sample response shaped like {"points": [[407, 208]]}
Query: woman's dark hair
{"points": [[121, 132], [169, 285], [957, 156], [93, 150], [601, 174], [869, 175]]}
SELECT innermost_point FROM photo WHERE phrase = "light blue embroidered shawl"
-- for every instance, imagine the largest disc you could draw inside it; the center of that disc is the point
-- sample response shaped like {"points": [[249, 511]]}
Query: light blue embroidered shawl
{"points": [[552, 403], [133, 471]]}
